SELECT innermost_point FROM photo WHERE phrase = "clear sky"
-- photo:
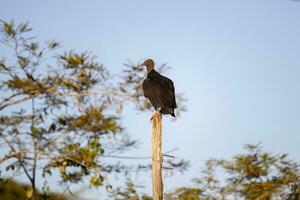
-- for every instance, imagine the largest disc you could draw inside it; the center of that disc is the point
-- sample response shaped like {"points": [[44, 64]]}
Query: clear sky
{"points": [[238, 63]]}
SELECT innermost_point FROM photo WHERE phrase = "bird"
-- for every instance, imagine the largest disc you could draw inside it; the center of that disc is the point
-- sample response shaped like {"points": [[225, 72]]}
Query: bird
{"points": [[159, 90]]}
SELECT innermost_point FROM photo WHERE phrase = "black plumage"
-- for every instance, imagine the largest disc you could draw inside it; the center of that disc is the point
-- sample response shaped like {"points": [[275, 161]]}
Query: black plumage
{"points": [[159, 90]]}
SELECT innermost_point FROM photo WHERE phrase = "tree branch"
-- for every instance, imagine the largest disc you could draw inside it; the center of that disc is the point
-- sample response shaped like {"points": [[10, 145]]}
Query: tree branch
{"points": [[15, 102], [19, 159]]}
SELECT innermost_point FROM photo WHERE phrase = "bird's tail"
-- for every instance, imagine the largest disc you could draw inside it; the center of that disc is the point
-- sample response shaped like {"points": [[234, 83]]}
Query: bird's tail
{"points": [[166, 111]]}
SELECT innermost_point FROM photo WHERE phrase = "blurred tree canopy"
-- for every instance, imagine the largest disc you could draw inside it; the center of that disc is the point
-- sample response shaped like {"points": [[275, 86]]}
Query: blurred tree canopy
{"points": [[11, 190], [61, 112], [257, 174], [253, 175]]}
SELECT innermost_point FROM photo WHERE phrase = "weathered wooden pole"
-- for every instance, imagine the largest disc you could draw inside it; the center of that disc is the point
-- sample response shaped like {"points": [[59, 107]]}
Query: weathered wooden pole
{"points": [[157, 182]]}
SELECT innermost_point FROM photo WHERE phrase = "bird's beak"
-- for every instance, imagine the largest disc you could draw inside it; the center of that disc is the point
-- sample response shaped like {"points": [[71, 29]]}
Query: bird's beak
{"points": [[143, 64]]}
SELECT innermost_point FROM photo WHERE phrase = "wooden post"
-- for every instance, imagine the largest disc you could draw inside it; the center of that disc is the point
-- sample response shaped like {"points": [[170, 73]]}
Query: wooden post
{"points": [[157, 182]]}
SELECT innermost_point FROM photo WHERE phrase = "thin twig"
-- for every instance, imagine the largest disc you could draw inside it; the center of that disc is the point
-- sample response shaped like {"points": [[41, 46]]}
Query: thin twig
{"points": [[19, 159], [35, 153], [12, 155], [16, 102], [128, 157]]}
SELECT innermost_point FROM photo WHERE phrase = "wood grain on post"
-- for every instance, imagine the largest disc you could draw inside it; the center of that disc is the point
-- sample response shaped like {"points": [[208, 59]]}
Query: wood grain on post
{"points": [[157, 182]]}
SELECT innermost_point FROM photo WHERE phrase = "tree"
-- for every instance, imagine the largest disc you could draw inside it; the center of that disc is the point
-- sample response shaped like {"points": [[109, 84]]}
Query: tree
{"points": [[15, 191], [128, 192], [254, 175], [257, 174], [184, 193], [62, 115]]}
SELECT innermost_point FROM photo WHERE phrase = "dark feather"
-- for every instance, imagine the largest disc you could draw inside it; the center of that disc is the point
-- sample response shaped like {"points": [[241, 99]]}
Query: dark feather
{"points": [[160, 91]]}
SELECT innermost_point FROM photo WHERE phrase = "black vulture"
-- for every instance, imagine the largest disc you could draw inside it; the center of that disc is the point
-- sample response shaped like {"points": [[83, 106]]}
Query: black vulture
{"points": [[159, 90]]}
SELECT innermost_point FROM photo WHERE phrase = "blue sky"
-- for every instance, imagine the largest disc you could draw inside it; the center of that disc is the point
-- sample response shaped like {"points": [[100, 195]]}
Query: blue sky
{"points": [[238, 63]]}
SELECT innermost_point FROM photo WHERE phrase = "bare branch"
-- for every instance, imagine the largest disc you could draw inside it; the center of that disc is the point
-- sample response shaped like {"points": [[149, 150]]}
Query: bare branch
{"points": [[19, 159], [15, 102]]}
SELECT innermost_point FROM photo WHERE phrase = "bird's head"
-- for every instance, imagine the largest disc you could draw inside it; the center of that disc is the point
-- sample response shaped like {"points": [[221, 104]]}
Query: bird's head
{"points": [[149, 65]]}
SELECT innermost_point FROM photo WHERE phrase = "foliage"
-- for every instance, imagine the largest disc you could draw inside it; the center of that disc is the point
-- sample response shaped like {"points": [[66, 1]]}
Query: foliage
{"points": [[15, 191], [184, 193], [128, 192], [60, 112], [63, 125], [256, 174]]}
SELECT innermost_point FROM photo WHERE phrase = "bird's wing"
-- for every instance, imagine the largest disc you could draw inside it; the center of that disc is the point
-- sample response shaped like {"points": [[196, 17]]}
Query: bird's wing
{"points": [[146, 88], [159, 90], [153, 91], [169, 91]]}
